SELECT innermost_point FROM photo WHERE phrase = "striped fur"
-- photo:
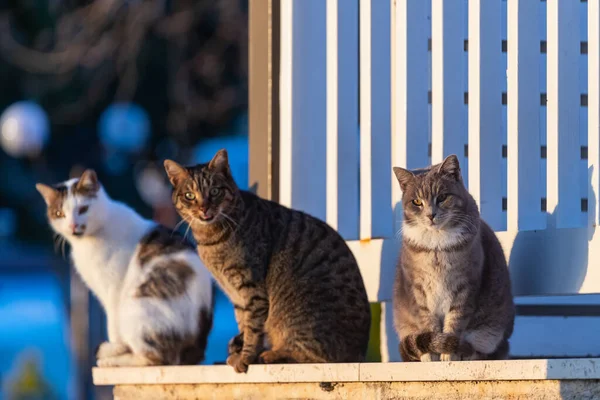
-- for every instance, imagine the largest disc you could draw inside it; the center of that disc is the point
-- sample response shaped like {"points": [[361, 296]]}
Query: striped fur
{"points": [[156, 292], [296, 287]]}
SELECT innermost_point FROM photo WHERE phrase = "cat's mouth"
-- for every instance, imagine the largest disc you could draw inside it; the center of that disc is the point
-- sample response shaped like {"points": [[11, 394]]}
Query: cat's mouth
{"points": [[206, 218]]}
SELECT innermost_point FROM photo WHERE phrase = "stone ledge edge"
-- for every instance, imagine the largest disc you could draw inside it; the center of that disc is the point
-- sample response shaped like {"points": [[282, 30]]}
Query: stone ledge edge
{"points": [[512, 370]]}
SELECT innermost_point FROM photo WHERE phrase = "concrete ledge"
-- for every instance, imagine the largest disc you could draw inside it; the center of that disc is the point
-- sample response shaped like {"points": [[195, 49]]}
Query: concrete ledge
{"points": [[526, 390], [513, 370]]}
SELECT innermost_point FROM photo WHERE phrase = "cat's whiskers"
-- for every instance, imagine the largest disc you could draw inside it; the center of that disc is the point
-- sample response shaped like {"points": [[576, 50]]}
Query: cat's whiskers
{"points": [[183, 220], [188, 228], [467, 221], [60, 243], [235, 224]]}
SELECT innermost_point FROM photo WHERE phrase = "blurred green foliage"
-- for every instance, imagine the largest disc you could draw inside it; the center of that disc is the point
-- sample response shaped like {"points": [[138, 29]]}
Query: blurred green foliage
{"points": [[30, 384]]}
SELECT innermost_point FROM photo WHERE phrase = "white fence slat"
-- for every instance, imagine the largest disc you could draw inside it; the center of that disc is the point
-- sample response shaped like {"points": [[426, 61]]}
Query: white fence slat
{"points": [[342, 117], [285, 102], [485, 109], [563, 147], [376, 219], [303, 91], [410, 115], [447, 89], [523, 105], [593, 110]]}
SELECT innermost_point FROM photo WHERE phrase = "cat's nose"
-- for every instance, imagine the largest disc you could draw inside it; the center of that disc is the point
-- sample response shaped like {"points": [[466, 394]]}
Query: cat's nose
{"points": [[431, 216], [72, 226]]}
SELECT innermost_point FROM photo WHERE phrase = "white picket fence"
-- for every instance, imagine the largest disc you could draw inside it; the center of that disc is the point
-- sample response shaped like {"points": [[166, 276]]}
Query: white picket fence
{"points": [[510, 86]]}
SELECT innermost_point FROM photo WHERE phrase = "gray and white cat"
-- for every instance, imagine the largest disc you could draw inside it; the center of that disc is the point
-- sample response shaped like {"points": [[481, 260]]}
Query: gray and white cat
{"points": [[156, 292], [452, 294]]}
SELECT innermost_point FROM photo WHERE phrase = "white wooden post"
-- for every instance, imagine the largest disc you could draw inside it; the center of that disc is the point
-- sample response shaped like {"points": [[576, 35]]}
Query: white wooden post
{"points": [[410, 118], [485, 109], [389, 342], [303, 107], [524, 211], [376, 219], [342, 117], [594, 109], [563, 147], [447, 88], [410, 122]]}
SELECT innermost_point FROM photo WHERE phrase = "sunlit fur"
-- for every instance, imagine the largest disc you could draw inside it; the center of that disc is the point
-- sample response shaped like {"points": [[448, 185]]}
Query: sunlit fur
{"points": [[105, 242], [452, 296], [292, 279]]}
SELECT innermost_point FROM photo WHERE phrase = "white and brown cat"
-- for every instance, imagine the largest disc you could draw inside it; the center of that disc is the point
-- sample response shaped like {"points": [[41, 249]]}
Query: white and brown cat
{"points": [[157, 294]]}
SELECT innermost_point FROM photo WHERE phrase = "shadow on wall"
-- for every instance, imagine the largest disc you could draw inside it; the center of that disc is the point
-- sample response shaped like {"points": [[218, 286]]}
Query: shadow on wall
{"points": [[551, 261]]}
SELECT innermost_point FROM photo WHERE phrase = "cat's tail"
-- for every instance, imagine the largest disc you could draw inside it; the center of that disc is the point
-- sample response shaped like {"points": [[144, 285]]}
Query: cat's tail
{"points": [[412, 347]]}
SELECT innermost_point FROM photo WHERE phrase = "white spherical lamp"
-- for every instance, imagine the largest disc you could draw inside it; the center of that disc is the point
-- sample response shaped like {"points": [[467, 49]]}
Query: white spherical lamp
{"points": [[24, 129]]}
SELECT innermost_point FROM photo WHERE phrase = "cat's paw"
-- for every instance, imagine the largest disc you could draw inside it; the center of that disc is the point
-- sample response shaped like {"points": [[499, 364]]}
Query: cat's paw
{"points": [[274, 357], [107, 349], [238, 363], [107, 362], [427, 357], [235, 344], [449, 357]]}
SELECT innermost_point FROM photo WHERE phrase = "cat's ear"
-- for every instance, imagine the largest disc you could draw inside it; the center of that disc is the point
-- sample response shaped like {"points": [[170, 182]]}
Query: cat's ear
{"points": [[451, 167], [404, 176], [48, 193], [220, 162], [176, 172], [89, 181]]}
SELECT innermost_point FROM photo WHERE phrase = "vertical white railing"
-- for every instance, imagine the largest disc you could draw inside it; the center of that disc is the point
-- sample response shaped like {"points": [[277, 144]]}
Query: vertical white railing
{"points": [[342, 191], [485, 109], [594, 109], [410, 75], [376, 219], [562, 108], [448, 134], [303, 106], [523, 117], [354, 102]]}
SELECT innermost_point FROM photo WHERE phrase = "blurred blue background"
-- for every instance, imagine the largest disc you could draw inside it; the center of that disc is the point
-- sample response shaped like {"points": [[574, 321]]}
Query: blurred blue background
{"points": [[117, 86]]}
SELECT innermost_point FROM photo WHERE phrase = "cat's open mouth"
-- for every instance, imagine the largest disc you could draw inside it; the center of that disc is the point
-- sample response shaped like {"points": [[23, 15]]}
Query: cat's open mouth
{"points": [[206, 219], [78, 234]]}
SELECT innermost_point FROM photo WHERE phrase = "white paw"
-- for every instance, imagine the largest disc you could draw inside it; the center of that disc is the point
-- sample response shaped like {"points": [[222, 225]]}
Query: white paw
{"points": [[427, 357], [449, 357], [106, 362], [107, 349]]}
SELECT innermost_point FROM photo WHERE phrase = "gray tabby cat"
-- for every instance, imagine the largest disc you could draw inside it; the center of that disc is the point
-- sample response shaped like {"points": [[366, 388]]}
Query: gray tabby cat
{"points": [[452, 295], [291, 277]]}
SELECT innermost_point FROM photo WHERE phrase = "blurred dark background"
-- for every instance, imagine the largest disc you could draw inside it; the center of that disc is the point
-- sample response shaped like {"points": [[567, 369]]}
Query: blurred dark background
{"points": [[118, 86]]}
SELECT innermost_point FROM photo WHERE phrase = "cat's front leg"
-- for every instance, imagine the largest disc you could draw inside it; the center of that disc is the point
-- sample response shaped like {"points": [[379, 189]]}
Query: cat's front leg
{"points": [[429, 322], [455, 323], [236, 343], [255, 315]]}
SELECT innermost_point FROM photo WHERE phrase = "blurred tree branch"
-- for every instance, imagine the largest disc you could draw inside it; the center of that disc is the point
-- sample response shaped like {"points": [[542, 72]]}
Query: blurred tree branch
{"points": [[104, 50]]}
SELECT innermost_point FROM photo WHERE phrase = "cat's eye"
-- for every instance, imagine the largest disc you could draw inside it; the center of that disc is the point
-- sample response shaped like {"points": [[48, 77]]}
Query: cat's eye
{"points": [[441, 198], [417, 202], [215, 191], [190, 196], [58, 214], [83, 210]]}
